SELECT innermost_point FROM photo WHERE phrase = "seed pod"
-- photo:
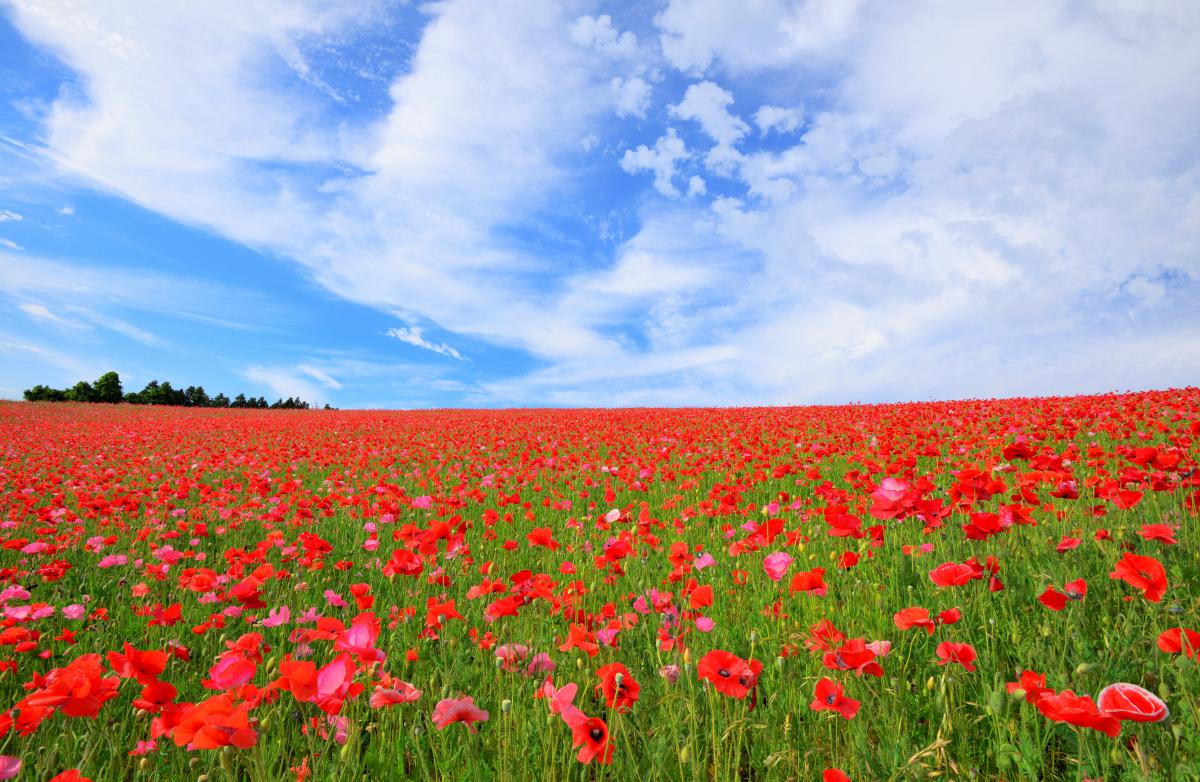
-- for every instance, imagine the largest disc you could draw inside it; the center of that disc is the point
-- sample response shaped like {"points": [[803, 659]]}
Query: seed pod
{"points": [[506, 705]]}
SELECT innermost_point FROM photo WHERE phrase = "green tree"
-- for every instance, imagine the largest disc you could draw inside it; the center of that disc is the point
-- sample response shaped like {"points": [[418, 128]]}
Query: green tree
{"points": [[40, 393], [196, 397], [220, 400], [108, 388], [81, 392]]}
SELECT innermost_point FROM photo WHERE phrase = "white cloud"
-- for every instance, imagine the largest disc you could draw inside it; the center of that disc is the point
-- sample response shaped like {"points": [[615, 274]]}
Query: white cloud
{"points": [[94, 293], [598, 32], [7, 214], [668, 150], [632, 96], [320, 376], [782, 120], [696, 186], [39, 312], [67, 211], [413, 336], [708, 104], [284, 382], [753, 35], [10, 244]]}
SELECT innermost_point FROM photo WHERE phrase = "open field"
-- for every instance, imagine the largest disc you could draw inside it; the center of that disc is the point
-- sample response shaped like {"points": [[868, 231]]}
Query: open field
{"points": [[628, 594]]}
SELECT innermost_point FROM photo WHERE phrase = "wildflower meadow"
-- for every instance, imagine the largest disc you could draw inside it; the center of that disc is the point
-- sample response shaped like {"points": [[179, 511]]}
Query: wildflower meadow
{"points": [[970, 590]]}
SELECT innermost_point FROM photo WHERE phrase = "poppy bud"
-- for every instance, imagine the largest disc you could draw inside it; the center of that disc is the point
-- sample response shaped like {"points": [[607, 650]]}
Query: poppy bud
{"points": [[344, 753], [144, 764], [1083, 668], [1164, 691], [779, 663], [227, 758], [1018, 694], [929, 684], [579, 663], [499, 661], [506, 705], [265, 722], [685, 754], [202, 778], [687, 656], [753, 637]]}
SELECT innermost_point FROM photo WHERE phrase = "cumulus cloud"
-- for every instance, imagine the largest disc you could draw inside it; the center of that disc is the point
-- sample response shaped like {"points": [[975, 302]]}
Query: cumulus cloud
{"points": [[668, 150], [631, 96], [598, 32], [781, 120]]}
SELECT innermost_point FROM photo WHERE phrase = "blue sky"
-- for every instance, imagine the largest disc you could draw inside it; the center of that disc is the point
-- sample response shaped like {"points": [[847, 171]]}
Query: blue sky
{"points": [[541, 204]]}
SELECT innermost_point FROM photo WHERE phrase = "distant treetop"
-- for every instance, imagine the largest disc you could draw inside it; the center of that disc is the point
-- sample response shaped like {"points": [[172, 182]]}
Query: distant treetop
{"points": [[107, 388]]}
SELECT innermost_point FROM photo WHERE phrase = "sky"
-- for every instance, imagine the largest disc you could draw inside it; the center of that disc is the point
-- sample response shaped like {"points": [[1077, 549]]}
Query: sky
{"points": [[531, 203]]}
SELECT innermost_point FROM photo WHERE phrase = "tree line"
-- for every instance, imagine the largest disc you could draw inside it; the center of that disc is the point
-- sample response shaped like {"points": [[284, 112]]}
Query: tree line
{"points": [[107, 388]]}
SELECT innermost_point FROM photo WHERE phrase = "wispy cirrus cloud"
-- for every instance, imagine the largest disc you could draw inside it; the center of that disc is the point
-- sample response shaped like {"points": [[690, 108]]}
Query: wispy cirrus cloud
{"points": [[413, 335]]}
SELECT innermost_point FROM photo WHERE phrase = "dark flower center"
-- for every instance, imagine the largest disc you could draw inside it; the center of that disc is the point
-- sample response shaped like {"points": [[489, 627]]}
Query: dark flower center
{"points": [[723, 673], [596, 734]]}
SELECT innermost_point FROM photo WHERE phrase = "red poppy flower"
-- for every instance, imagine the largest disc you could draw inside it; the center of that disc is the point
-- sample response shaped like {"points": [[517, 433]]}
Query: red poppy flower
{"points": [[1131, 702], [810, 581], [591, 736], [1032, 684], [617, 685], [950, 574], [1079, 710], [1178, 640], [70, 775], [135, 664], [730, 674], [834, 775], [77, 690], [1144, 573], [1160, 532], [907, 618], [963, 654], [831, 696], [215, 723]]}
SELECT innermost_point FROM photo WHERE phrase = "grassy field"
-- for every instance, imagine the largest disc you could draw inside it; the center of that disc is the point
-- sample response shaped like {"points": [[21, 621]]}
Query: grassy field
{"points": [[749, 594]]}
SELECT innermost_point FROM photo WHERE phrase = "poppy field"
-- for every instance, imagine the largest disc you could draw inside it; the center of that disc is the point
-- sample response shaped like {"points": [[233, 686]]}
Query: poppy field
{"points": [[971, 590]]}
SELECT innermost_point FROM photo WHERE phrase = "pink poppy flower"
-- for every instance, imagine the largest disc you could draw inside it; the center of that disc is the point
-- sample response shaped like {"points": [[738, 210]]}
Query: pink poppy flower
{"points": [[464, 710], [776, 565]]}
